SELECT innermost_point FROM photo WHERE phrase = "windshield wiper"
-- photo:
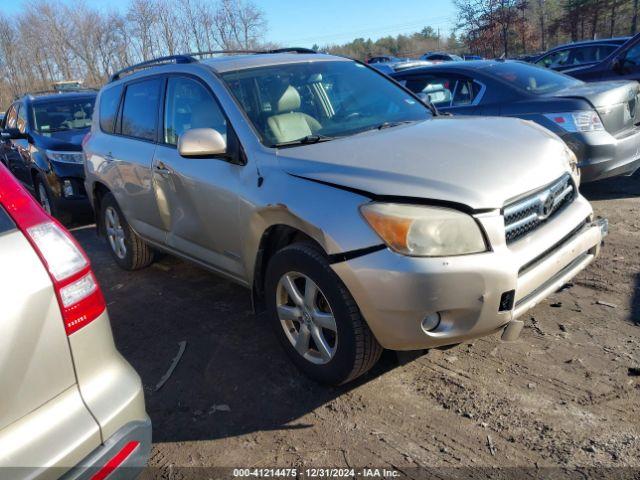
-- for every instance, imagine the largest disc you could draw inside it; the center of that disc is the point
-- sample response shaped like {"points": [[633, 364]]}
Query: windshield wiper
{"points": [[304, 141], [384, 125]]}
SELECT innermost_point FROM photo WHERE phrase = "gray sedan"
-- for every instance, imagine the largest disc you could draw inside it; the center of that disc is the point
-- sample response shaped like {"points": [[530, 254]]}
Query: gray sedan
{"points": [[598, 121]]}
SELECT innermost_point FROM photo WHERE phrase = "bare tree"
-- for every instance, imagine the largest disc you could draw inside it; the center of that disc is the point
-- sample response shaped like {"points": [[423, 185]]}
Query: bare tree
{"points": [[53, 40], [142, 20]]}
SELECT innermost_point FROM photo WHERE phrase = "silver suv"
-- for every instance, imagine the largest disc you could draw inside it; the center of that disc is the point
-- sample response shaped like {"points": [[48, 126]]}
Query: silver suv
{"points": [[358, 218]]}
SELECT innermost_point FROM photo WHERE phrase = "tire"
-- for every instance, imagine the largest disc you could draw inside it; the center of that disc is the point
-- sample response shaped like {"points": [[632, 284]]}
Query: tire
{"points": [[353, 349], [128, 250], [43, 195]]}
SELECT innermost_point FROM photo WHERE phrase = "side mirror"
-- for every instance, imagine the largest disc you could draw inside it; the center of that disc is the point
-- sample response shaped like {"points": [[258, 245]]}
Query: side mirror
{"points": [[201, 142], [12, 134]]}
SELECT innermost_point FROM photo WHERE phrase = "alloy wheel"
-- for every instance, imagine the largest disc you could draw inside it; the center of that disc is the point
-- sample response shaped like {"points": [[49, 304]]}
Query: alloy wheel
{"points": [[115, 232], [306, 317], [43, 197]]}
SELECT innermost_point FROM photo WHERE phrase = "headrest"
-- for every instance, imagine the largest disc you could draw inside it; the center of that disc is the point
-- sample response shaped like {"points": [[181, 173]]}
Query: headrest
{"points": [[79, 115], [289, 100]]}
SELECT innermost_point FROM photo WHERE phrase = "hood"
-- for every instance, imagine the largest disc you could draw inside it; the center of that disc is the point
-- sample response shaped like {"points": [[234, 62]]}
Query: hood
{"points": [[66, 140], [480, 162]]}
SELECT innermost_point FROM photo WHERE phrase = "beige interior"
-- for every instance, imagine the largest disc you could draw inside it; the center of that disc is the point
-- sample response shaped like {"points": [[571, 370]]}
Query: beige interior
{"points": [[289, 123]]}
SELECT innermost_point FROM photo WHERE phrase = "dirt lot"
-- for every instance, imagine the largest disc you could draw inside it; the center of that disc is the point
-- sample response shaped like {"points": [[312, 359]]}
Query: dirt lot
{"points": [[567, 394]]}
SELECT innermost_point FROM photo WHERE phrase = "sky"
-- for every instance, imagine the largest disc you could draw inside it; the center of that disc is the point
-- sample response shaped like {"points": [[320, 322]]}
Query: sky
{"points": [[302, 23]]}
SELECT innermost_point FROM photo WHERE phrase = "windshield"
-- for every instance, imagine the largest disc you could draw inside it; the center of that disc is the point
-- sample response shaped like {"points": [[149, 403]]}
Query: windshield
{"points": [[532, 79], [61, 115], [320, 100]]}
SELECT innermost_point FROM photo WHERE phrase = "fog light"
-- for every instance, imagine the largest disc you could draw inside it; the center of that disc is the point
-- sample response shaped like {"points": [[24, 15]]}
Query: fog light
{"points": [[431, 322], [67, 188]]}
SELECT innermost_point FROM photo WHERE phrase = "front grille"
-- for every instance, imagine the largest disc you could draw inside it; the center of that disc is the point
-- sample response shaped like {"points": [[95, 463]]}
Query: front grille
{"points": [[525, 215]]}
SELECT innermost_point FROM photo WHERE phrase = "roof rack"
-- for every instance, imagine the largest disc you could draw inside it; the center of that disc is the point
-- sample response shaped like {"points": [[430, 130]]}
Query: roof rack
{"points": [[290, 50], [250, 52], [54, 92], [153, 63], [192, 58]]}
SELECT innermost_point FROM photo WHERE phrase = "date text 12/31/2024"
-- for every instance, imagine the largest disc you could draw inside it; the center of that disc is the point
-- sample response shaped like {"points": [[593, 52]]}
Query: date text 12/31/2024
{"points": [[315, 472]]}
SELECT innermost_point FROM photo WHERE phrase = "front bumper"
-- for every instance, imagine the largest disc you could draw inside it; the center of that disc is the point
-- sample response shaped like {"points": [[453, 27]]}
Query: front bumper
{"points": [[127, 450], [74, 203], [395, 293], [601, 155]]}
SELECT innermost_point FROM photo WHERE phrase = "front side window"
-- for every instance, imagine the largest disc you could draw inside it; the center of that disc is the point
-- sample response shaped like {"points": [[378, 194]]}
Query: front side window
{"points": [[581, 55], [190, 105], [605, 50], [291, 103], [140, 109], [59, 115], [632, 58], [109, 102]]}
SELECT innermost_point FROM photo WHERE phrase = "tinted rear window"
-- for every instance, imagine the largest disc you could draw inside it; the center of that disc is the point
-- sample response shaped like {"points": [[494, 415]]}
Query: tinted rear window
{"points": [[532, 79], [140, 110], [6, 224], [109, 101]]}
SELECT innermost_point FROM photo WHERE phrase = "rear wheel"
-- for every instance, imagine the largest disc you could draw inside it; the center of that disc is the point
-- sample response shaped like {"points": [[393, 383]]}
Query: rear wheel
{"points": [[315, 317], [128, 249]]}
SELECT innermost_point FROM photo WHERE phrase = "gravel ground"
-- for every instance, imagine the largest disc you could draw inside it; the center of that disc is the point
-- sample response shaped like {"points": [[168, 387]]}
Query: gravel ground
{"points": [[564, 396]]}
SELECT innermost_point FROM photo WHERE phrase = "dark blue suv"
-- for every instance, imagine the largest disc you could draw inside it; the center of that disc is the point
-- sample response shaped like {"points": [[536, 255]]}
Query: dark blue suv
{"points": [[41, 145]]}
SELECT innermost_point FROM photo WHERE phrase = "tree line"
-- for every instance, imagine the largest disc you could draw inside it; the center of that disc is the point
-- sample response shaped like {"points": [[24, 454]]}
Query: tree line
{"points": [[507, 28], [50, 40], [406, 45]]}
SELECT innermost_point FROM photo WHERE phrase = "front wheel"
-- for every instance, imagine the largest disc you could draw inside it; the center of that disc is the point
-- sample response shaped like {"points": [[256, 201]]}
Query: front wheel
{"points": [[128, 249], [315, 317], [44, 196]]}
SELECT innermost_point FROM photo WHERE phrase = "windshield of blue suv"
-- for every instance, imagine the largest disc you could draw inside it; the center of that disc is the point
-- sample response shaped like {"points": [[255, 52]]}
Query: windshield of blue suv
{"points": [[317, 101], [59, 115]]}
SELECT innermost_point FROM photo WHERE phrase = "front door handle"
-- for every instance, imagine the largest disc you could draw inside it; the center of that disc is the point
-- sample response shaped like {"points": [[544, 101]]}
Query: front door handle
{"points": [[161, 169]]}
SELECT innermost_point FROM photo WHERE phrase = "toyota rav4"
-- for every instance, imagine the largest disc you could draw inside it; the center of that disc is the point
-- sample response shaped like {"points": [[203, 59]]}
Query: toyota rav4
{"points": [[358, 217]]}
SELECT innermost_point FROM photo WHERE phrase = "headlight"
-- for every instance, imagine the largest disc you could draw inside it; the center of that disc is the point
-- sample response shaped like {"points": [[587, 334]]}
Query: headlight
{"points": [[582, 121], [66, 157], [424, 231]]}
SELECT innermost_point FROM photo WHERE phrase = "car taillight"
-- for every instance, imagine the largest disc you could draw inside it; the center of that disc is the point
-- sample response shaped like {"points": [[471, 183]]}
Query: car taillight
{"points": [[78, 293], [582, 121], [77, 290]]}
